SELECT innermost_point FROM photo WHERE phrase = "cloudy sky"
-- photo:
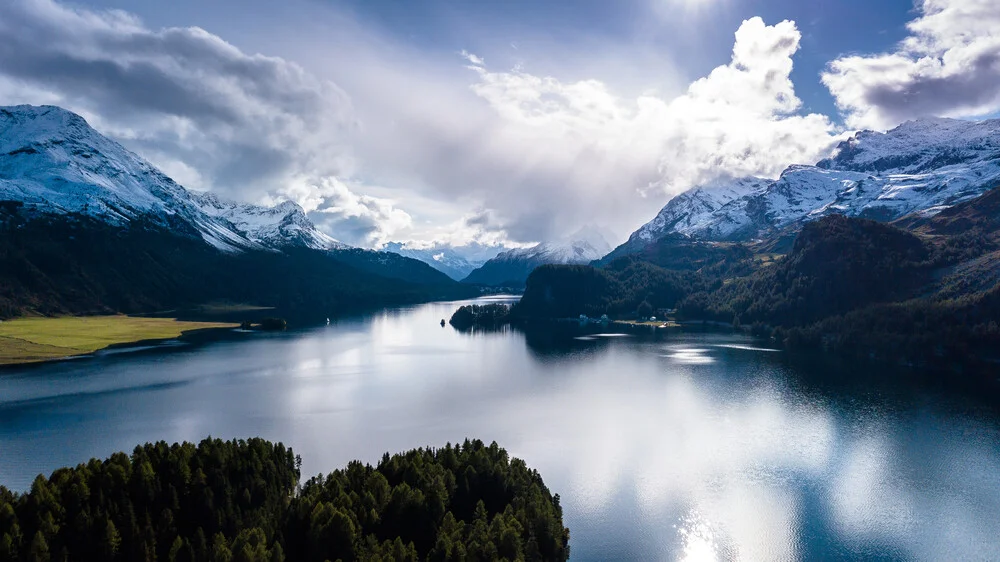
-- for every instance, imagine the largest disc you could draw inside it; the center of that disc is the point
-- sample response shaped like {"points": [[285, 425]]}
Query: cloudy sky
{"points": [[458, 121]]}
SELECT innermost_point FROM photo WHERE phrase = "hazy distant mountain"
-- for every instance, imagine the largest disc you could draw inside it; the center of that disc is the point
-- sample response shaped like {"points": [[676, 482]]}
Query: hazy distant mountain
{"points": [[455, 262], [512, 267], [921, 166]]}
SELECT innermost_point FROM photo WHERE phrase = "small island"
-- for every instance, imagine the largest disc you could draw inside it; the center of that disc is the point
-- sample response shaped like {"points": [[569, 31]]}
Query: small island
{"points": [[491, 315]]}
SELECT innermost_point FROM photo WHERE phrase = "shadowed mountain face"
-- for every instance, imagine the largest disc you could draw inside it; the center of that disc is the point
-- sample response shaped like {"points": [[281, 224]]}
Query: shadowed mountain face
{"points": [[981, 214], [90, 227], [77, 265]]}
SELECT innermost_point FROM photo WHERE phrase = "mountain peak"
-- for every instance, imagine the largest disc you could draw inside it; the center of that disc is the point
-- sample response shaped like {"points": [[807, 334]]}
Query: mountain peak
{"points": [[55, 163], [594, 235], [920, 166], [456, 262], [44, 116]]}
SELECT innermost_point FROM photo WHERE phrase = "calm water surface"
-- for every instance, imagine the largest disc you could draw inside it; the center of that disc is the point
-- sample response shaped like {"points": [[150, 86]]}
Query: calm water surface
{"points": [[691, 446]]}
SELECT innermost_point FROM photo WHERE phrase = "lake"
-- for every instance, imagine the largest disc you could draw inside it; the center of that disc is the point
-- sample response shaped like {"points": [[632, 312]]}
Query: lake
{"points": [[687, 445]]}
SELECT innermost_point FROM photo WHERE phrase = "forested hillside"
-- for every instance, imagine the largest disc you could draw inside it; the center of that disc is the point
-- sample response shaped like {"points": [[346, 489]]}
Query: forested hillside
{"points": [[925, 290], [566, 291], [836, 265], [77, 265], [240, 501]]}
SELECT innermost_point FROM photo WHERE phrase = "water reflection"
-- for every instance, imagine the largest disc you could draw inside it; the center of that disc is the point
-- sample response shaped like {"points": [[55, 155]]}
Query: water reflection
{"points": [[676, 446], [689, 355]]}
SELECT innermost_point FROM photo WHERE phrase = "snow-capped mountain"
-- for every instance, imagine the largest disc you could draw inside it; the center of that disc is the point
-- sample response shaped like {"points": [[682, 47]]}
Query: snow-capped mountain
{"points": [[921, 166], [455, 262], [281, 225], [513, 266], [55, 163]]}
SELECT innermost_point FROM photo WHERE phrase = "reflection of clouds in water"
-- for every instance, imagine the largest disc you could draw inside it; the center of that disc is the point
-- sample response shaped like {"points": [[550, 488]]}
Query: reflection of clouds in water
{"points": [[863, 496], [943, 507], [730, 460], [705, 463], [701, 453], [681, 448], [735, 469]]}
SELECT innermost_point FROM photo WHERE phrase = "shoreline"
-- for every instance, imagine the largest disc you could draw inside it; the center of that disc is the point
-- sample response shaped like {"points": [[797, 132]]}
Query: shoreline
{"points": [[40, 340]]}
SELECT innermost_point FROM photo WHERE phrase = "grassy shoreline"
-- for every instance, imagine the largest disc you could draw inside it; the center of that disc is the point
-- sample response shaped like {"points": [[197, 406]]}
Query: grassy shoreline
{"points": [[39, 339]]}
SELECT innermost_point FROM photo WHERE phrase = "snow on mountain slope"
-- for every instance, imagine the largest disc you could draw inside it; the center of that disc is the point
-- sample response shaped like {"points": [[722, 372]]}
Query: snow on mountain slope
{"points": [[284, 224], [584, 246], [919, 146], [448, 260], [54, 162], [921, 166], [692, 210]]}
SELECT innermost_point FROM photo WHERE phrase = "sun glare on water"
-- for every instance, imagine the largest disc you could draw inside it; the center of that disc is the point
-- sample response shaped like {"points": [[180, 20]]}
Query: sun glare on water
{"points": [[698, 540]]}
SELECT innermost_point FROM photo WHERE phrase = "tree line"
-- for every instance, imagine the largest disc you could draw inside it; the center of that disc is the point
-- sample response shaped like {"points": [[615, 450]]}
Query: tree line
{"points": [[618, 289], [241, 501], [927, 296]]}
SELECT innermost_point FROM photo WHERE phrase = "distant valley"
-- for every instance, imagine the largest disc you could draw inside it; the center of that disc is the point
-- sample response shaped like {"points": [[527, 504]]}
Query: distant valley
{"points": [[456, 263]]}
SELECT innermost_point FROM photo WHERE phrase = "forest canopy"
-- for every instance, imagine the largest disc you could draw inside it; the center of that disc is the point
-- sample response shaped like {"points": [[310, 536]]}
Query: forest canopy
{"points": [[240, 501]]}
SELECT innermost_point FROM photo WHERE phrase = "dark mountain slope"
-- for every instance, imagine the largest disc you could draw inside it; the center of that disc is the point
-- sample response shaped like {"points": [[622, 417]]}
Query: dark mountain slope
{"points": [[836, 265], [391, 265], [981, 214], [682, 253], [77, 265], [88, 226], [566, 291]]}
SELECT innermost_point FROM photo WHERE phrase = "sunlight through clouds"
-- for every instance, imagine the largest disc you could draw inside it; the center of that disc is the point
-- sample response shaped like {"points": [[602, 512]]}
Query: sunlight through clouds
{"points": [[741, 119]]}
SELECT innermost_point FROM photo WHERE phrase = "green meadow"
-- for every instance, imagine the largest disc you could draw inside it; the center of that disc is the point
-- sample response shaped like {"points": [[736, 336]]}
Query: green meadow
{"points": [[33, 339]]}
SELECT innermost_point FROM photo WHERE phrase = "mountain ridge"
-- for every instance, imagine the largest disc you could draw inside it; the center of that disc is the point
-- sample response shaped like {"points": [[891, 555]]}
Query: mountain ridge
{"points": [[447, 259], [921, 166], [54, 162]]}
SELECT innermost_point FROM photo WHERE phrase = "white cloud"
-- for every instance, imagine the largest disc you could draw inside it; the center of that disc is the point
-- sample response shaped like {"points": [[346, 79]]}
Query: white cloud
{"points": [[361, 220], [216, 117], [546, 154], [540, 155], [473, 59], [740, 119], [949, 65]]}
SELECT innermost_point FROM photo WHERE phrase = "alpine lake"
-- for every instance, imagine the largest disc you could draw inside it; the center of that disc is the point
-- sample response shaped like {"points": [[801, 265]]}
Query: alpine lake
{"points": [[676, 444]]}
